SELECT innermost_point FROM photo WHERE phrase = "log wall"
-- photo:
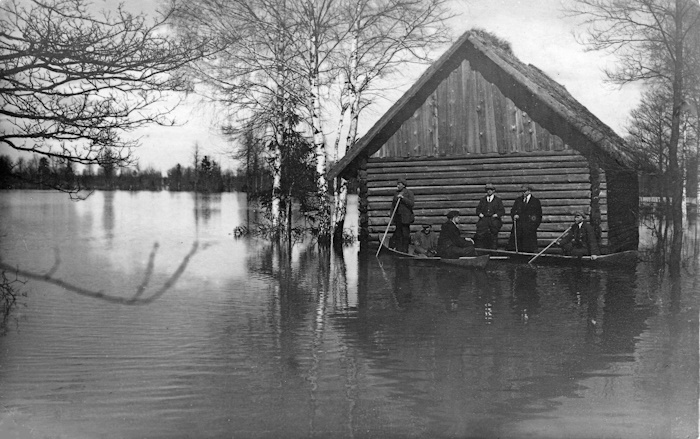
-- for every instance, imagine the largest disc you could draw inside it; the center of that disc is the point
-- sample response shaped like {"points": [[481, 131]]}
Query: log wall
{"points": [[561, 180]]}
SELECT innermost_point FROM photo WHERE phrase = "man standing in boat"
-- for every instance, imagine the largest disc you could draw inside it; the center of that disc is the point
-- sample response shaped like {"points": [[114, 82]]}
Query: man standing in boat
{"points": [[450, 244], [403, 216], [490, 211], [580, 240], [527, 216]]}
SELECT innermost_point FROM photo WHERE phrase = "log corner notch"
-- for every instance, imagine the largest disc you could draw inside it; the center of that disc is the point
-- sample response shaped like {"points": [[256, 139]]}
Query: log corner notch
{"points": [[479, 101]]}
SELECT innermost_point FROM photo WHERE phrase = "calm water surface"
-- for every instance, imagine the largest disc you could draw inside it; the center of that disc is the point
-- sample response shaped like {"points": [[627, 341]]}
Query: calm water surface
{"points": [[157, 323]]}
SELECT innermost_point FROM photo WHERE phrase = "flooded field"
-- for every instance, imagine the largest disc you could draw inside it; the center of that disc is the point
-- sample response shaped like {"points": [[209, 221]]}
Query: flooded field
{"points": [[145, 318]]}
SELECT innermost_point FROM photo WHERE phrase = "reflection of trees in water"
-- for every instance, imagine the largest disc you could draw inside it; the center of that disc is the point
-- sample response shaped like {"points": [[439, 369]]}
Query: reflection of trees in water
{"points": [[108, 216], [658, 228], [139, 296], [205, 204], [449, 342]]}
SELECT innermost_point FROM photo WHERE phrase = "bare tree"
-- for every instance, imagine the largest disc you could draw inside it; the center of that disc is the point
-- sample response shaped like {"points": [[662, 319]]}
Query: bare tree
{"points": [[72, 81], [285, 56], [382, 36], [653, 40], [256, 75]]}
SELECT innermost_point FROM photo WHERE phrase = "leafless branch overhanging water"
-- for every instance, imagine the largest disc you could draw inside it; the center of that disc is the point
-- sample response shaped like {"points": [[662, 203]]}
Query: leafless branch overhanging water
{"points": [[136, 299]]}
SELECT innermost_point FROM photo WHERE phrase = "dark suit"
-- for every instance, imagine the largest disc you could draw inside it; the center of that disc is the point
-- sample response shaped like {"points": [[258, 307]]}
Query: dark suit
{"points": [[580, 241], [451, 244], [487, 227], [526, 225], [403, 218]]}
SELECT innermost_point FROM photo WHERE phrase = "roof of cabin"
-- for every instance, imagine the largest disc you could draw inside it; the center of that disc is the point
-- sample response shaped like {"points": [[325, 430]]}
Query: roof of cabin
{"points": [[547, 102]]}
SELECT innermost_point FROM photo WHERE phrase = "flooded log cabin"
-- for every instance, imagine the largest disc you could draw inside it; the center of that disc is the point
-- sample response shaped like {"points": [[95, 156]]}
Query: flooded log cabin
{"points": [[479, 115]]}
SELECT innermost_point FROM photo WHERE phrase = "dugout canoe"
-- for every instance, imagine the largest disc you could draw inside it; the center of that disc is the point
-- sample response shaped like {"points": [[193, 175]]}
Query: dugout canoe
{"points": [[479, 261], [629, 257]]}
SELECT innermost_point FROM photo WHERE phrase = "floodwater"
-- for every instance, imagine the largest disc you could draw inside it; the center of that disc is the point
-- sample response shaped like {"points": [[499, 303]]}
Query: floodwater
{"points": [[145, 318]]}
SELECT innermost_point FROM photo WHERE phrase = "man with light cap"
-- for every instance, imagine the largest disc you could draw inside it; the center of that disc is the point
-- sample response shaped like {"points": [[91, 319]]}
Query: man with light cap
{"points": [[490, 211], [450, 244], [580, 240]]}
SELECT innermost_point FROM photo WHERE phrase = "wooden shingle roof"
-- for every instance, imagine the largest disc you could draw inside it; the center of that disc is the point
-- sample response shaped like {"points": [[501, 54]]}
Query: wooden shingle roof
{"points": [[547, 102]]}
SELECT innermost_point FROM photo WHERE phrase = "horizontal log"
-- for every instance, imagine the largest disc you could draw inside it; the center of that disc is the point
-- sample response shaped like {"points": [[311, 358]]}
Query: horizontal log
{"points": [[472, 219], [572, 190], [477, 185], [543, 238], [384, 203], [476, 159], [565, 211], [498, 178], [498, 169]]}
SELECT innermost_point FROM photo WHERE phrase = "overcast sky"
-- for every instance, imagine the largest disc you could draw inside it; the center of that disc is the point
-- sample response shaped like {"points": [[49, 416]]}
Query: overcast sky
{"points": [[537, 30]]}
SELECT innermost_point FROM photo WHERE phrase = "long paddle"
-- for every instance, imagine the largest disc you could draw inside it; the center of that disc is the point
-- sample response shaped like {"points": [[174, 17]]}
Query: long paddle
{"points": [[381, 244], [550, 244]]}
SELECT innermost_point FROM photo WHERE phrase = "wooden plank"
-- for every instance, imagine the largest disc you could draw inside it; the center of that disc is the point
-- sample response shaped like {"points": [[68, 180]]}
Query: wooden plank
{"points": [[472, 116], [511, 126], [442, 118], [491, 139], [481, 112], [499, 109], [453, 116]]}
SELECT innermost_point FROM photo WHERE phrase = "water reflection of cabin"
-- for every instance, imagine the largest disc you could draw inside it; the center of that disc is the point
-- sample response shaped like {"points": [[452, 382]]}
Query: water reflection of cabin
{"points": [[479, 115]]}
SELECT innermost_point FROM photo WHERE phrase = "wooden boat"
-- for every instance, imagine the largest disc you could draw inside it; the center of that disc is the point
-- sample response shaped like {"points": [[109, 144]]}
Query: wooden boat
{"points": [[628, 257], [465, 261]]}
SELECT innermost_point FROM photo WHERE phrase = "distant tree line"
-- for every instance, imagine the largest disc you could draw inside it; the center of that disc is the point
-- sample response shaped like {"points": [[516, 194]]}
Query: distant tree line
{"points": [[44, 173]]}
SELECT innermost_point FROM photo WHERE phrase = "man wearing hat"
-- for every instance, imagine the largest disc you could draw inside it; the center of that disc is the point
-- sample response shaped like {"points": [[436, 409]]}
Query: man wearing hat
{"points": [[450, 244], [527, 216], [490, 211], [403, 216], [580, 240]]}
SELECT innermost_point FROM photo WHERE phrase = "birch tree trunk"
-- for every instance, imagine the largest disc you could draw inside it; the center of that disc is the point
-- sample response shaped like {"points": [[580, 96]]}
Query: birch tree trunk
{"points": [[319, 142], [351, 91]]}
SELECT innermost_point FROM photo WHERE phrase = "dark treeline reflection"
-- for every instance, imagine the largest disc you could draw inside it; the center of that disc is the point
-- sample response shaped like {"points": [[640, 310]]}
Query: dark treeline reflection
{"points": [[656, 232], [448, 348]]}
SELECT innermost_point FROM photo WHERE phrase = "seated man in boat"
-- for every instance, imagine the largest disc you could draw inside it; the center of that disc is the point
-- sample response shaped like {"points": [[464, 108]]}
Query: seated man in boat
{"points": [[580, 240], [450, 244], [425, 241]]}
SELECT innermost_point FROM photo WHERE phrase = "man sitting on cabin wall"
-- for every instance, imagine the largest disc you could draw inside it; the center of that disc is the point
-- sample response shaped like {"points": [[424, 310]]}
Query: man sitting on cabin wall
{"points": [[490, 211], [402, 208], [425, 241], [580, 240], [450, 244], [527, 216]]}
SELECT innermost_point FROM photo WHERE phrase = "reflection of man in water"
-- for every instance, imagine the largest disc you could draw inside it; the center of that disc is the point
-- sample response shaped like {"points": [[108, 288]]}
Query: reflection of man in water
{"points": [[525, 299], [402, 283]]}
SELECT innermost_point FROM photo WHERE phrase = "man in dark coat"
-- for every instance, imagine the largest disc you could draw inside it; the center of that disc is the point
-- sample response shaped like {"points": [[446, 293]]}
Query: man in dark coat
{"points": [[580, 240], [527, 216], [490, 211], [403, 217], [450, 244]]}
